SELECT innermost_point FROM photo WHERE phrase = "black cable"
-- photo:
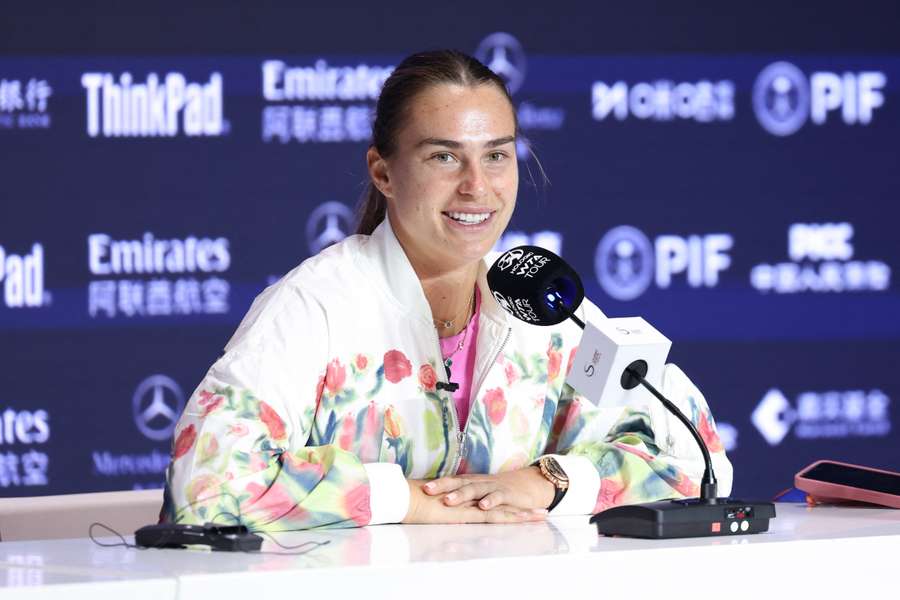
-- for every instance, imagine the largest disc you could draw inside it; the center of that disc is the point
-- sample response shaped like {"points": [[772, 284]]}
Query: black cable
{"points": [[236, 518]]}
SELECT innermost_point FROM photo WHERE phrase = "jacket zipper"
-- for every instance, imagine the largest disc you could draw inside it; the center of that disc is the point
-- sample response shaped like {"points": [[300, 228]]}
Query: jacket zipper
{"points": [[461, 433]]}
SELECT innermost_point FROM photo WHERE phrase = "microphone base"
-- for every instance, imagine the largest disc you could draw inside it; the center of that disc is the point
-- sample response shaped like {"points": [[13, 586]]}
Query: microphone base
{"points": [[682, 518]]}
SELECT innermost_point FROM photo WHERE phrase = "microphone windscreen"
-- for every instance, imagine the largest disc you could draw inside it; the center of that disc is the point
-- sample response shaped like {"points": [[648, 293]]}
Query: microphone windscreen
{"points": [[528, 282]]}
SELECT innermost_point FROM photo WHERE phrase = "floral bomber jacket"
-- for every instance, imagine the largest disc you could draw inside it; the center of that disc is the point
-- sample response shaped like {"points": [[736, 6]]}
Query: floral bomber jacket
{"points": [[325, 402]]}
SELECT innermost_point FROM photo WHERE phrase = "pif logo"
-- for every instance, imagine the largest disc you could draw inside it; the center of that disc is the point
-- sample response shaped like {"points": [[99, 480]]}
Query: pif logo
{"points": [[22, 278]]}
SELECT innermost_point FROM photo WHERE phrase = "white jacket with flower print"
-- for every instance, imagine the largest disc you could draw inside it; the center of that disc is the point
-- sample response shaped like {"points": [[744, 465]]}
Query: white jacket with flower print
{"points": [[324, 403]]}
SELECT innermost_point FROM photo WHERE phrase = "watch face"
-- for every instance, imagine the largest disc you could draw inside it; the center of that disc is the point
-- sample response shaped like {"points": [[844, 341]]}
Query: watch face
{"points": [[555, 470]]}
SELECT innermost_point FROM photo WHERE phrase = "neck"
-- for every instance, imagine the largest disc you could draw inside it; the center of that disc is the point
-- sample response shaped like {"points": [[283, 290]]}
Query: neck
{"points": [[450, 294]]}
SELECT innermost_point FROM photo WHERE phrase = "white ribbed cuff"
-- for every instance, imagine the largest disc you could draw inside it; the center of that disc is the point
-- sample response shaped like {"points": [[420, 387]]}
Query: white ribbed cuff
{"points": [[388, 493], [584, 485]]}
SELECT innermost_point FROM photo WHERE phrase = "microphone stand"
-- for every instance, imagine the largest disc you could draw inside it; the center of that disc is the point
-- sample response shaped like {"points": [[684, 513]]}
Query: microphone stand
{"points": [[705, 516]]}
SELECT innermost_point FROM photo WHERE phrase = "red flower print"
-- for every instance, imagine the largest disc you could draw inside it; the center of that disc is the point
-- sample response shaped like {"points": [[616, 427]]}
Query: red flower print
{"points": [[356, 504], [396, 366], [427, 377], [319, 387], [348, 433], [185, 440], [511, 374], [335, 376], [610, 494], [209, 401], [273, 422], [361, 362], [554, 360], [273, 502], [634, 450], [392, 423], [571, 360], [495, 402], [239, 429], [709, 435]]}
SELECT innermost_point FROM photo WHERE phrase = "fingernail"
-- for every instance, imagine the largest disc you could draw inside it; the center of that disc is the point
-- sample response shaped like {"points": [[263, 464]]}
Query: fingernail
{"points": [[484, 504], [451, 497], [429, 486]]}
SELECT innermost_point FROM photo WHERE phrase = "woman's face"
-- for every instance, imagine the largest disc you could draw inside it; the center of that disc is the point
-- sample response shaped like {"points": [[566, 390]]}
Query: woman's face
{"points": [[451, 182]]}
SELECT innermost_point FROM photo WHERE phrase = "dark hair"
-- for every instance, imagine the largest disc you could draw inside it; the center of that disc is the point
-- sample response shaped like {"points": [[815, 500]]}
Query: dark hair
{"points": [[412, 76]]}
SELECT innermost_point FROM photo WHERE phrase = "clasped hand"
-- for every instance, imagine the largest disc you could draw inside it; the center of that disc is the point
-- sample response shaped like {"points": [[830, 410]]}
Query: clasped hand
{"points": [[510, 497]]}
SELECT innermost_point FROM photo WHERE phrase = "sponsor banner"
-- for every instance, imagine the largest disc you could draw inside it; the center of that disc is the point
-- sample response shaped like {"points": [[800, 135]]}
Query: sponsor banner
{"points": [[24, 103], [627, 262], [785, 98], [821, 260], [22, 434], [318, 102], [831, 414], [22, 278], [154, 277], [157, 403], [167, 105]]}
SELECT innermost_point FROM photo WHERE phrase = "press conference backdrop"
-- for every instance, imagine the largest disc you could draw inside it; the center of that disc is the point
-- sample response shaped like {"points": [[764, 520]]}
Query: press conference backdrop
{"points": [[745, 204]]}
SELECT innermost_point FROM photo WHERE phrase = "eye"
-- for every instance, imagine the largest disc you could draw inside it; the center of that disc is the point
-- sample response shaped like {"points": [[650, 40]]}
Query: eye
{"points": [[497, 156], [443, 157]]}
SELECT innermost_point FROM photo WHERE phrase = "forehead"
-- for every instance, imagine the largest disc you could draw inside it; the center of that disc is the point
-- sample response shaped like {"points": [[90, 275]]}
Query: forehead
{"points": [[461, 113]]}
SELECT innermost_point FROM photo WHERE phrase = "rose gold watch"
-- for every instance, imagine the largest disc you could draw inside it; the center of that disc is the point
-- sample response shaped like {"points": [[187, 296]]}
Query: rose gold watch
{"points": [[554, 473]]}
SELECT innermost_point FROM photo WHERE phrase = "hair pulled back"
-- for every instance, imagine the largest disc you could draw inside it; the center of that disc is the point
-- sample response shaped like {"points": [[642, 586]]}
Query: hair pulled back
{"points": [[412, 76]]}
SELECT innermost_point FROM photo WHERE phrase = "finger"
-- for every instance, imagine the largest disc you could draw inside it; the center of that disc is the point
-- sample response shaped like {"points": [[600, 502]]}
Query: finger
{"points": [[511, 515], [442, 485], [492, 499], [473, 490]]}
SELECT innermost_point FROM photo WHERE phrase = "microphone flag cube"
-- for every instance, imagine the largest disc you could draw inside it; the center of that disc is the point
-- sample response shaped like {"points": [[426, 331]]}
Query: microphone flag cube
{"points": [[607, 348]]}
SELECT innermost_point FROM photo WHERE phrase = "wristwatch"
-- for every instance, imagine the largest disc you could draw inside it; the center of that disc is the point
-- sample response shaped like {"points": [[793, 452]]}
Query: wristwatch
{"points": [[554, 473]]}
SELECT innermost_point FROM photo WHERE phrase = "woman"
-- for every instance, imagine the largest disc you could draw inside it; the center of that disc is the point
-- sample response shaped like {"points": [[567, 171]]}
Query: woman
{"points": [[380, 381]]}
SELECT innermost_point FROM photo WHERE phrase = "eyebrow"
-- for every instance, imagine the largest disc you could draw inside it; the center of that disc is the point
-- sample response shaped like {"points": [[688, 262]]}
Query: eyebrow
{"points": [[454, 144]]}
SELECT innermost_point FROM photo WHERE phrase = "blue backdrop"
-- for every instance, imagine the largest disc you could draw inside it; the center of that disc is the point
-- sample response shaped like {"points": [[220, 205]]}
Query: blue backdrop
{"points": [[739, 196]]}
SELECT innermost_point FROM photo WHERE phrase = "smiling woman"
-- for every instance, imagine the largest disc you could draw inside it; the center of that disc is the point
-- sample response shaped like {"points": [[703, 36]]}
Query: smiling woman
{"points": [[380, 381]]}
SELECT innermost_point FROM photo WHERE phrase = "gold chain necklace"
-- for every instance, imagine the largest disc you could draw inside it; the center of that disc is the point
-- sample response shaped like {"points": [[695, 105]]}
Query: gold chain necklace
{"points": [[449, 324]]}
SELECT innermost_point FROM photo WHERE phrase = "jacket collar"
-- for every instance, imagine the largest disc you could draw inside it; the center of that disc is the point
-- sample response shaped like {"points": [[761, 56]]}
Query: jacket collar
{"points": [[399, 281]]}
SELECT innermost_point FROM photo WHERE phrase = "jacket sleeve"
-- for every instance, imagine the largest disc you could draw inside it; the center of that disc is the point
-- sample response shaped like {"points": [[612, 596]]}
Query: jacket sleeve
{"points": [[240, 453], [646, 454]]}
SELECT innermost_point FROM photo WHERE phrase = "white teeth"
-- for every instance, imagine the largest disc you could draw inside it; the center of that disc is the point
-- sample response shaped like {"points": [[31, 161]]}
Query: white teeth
{"points": [[473, 218]]}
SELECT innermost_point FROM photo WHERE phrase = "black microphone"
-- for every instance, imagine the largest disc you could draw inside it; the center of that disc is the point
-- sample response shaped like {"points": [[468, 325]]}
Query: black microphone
{"points": [[538, 287]]}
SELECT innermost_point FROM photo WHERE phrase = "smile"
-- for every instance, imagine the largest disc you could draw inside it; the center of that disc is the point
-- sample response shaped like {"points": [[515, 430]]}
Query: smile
{"points": [[469, 218]]}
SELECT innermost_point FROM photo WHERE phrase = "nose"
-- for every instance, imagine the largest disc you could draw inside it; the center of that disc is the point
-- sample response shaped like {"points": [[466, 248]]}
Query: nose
{"points": [[473, 182]]}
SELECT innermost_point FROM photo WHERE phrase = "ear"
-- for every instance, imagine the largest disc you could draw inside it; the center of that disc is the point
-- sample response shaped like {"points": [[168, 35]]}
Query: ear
{"points": [[378, 171]]}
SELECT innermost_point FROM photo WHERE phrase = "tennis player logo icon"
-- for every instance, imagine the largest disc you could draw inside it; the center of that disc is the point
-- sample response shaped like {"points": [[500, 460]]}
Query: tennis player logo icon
{"points": [[330, 223], [157, 404], [503, 54]]}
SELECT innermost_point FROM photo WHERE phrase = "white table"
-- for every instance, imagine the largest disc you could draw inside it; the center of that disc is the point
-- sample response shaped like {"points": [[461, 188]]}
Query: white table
{"points": [[827, 551]]}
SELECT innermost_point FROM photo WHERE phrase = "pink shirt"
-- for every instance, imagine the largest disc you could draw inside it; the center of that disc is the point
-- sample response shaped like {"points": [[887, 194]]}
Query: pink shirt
{"points": [[463, 362]]}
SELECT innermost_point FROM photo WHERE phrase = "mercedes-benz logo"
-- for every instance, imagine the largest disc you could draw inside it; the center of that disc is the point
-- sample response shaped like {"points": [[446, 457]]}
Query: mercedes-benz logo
{"points": [[327, 225], [624, 263], [781, 98], [157, 404], [503, 54]]}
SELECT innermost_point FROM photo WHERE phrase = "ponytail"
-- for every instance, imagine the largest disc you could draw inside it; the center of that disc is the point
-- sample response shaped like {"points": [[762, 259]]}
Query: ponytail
{"points": [[371, 210]]}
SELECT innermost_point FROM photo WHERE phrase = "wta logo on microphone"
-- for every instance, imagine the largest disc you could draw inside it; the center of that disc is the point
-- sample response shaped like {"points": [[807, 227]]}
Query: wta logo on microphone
{"points": [[521, 263]]}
